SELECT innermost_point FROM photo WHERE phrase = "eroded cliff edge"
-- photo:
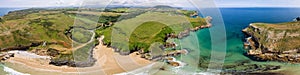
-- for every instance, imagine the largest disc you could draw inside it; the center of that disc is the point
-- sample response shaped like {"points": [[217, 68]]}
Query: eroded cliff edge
{"points": [[273, 42]]}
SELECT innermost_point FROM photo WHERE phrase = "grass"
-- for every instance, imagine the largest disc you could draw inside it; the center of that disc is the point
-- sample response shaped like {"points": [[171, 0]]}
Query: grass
{"points": [[286, 42], [80, 35], [148, 33], [35, 28], [133, 29], [143, 30], [83, 54]]}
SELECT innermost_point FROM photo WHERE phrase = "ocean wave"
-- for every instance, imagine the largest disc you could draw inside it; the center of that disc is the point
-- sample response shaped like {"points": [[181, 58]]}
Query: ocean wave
{"points": [[11, 71], [29, 55]]}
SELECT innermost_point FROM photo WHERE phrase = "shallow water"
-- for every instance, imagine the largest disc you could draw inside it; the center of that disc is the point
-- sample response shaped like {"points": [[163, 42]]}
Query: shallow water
{"points": [[2, 72], [235, 19]]}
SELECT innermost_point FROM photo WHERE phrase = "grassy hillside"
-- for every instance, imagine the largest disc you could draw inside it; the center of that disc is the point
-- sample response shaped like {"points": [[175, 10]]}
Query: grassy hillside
{"points": [[148, 33], [280, 37], [140, 32], [35, 27], [68, 34]]}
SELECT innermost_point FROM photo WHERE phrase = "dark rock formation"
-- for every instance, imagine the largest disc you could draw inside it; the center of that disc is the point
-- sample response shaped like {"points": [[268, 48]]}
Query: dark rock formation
{"points": [[20, 47], [6, 56], [297, 19], [70, 63]]}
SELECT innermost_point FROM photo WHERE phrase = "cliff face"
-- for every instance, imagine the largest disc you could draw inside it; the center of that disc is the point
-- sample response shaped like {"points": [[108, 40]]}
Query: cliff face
{"points": [[278, 42]]}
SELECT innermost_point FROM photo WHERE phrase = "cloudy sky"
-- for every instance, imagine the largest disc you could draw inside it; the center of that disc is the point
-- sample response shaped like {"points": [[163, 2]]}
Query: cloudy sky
{"points": [[178, 3]]}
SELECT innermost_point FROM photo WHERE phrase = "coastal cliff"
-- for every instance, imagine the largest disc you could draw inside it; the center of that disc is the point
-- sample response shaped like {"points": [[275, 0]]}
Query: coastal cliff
{"points": [[52, 32], [273, 42]]}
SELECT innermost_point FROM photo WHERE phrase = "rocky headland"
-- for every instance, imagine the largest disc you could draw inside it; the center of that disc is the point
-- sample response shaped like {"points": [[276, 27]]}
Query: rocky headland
{"points": [[273, 42]]}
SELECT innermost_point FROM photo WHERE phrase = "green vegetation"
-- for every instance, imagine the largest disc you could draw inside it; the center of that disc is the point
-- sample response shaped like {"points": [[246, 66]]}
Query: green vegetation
{"points": [[20, 14], [186, 12], [63, 57], [35, 28], [106, 31], [148, 33], [198, 21], [1, 20], [117, 10], [284, 36], [80, 35], [84, 53], [140, 32], [107, 19], [67, 32]]}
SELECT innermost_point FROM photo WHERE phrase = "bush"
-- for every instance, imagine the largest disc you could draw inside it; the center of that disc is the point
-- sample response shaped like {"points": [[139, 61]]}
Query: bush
{"points": [[1, 20]]}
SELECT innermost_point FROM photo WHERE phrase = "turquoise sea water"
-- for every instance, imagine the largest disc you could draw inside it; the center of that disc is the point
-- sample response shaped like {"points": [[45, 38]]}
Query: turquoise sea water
{"points": [[235, 19]]}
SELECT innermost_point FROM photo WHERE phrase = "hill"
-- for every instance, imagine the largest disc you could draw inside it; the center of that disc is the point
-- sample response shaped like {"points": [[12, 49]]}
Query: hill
{"points": [[280, 42], [69, 35]]}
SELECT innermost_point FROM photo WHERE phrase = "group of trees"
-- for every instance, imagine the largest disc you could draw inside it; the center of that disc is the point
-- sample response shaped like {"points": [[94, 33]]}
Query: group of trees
{"points": [[107, 19], [43, 22]]}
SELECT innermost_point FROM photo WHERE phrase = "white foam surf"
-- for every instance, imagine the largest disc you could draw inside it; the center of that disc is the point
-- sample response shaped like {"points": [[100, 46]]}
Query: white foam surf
{"points": [[29, 55], [11, 71]]}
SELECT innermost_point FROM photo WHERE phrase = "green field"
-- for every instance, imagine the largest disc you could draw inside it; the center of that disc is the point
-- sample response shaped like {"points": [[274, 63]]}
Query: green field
{"points": [[140, 32], [148, 33], [35, 27]]}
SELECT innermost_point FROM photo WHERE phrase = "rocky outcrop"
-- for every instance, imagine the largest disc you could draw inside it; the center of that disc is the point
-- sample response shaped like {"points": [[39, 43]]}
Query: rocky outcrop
{"points": [[297, 19], [187, 32], [20, 47], [88, 63], [172, 53], [6, 56], [273, 42], [246, 69]]}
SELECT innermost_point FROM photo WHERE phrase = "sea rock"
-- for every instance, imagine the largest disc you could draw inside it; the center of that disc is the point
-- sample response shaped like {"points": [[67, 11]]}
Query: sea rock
{"points": [[245, 68], [175, 64], [297, 19], [6, 56], [73, 63]]}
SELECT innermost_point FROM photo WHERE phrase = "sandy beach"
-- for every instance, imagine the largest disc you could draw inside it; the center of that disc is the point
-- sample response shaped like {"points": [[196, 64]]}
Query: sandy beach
{"points": [[108, 63]]}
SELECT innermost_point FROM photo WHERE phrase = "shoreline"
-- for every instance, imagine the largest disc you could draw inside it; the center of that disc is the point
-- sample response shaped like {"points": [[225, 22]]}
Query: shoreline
{"points": [[100, 52], [103, 65]]}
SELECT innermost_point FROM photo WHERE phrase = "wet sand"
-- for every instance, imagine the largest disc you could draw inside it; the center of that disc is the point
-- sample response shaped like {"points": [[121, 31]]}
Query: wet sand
{"points": [[108, 63]]}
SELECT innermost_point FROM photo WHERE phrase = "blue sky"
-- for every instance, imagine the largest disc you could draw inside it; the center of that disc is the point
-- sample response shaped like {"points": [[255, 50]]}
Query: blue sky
{"points": [[258, 3], [179, 3]]}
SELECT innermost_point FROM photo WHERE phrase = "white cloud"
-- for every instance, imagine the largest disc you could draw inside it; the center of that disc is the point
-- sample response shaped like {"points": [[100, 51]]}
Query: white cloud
{"points": [[177, 3], [38, 3], [54, 3]]}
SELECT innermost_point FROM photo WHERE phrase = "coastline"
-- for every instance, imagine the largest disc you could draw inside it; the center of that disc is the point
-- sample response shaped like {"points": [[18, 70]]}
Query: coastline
{"points": [[100, 52], [103, 65]]}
